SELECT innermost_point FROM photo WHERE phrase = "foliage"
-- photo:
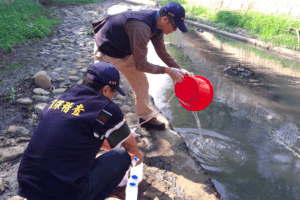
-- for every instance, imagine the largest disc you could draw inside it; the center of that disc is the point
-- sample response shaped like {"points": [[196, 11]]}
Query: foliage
{"points": [[23, 20], [267, 27]]}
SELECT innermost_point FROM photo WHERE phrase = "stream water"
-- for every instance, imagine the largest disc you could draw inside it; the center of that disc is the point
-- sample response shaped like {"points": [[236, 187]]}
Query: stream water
{"points": [[250, 143]]}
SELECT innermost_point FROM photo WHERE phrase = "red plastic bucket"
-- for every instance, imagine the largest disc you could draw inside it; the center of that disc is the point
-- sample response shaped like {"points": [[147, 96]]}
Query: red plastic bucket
{"points": [[195, 92]]}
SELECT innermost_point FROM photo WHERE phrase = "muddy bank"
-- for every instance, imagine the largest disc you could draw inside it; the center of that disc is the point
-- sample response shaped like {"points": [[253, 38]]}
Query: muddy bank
{"points": [[170, 172]]}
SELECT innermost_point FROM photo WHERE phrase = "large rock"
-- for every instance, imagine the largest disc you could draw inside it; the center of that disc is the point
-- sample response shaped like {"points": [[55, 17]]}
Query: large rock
{"points": [[42, 80], [10, 153]]}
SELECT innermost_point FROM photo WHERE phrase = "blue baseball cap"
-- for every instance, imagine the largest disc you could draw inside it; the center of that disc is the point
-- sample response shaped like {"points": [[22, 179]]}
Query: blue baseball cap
{"points": [[177, 12], [105, 73]]}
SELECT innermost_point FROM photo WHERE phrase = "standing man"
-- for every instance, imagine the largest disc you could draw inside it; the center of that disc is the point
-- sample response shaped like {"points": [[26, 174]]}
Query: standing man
{"points": [[123, 41], [59, 162]]}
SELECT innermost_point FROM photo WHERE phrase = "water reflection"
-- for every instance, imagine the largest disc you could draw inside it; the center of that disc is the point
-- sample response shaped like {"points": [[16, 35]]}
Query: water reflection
{"points": [[252, 152]]}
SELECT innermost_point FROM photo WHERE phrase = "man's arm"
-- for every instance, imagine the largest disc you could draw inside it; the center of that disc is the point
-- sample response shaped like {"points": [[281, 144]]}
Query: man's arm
{"points": [[163, 54], [130, 146], [139, 36]]}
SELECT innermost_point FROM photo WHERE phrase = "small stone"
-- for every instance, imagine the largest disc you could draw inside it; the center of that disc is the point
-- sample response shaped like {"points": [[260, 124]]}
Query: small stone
{"points": [[60, 79], [74, 78], [54, 73], [24, 101], [14, 131], [16, 198], [3, 185], [258, 84], [59, 91], [78, 67], [39, 107], [44, 53], [72, 72], [42, 80], [83, 61], [10, 153], [55, 41], [23, 139], [58, 69], [41, 98], [40, 91], [66, 85], [79, 82], [83, 70], [126, 108], [64, 57], [253, 81]]}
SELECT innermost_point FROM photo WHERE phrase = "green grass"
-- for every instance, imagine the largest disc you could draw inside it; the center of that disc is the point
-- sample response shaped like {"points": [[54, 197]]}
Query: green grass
{"points": [[22, 20], [267, 27]]}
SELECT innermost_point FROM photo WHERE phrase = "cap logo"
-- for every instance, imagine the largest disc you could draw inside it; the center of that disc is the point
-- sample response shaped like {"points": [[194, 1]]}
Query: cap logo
{"points": [[182, 18], [112, 82], [171, 14]]}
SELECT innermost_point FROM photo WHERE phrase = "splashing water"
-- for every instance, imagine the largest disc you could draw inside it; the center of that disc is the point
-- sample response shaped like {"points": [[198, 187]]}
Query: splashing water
{"points": [[199, 139]]}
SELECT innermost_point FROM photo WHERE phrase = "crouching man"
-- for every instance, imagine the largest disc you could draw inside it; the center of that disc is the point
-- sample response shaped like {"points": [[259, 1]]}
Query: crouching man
{"points": [[60, 161]]}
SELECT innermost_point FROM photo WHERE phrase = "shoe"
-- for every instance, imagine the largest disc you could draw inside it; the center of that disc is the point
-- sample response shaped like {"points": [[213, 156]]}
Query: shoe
{"points": [[153, 124]]}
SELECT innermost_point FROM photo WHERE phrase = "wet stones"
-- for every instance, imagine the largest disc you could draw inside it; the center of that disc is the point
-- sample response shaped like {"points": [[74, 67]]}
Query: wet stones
{"points": [[238, 70]]}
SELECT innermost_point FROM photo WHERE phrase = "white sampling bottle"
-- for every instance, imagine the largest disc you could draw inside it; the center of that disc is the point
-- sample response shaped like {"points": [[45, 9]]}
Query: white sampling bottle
{"points": [[131, 190], [136, 170]]}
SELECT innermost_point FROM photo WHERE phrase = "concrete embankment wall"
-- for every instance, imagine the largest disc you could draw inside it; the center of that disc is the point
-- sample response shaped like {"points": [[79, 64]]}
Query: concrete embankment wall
{"points": [[289, 7]]}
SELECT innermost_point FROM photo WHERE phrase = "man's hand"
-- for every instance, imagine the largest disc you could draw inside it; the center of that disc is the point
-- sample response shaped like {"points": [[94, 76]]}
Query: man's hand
{"points": [[176, 74], [140, 156], [186, 73]]}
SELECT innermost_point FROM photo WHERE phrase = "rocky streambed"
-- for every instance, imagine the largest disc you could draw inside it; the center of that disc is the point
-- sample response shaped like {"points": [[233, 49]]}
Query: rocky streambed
{"points": [[43, 69]]}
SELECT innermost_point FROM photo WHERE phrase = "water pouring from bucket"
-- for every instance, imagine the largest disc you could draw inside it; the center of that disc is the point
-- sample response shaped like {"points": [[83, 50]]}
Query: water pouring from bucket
{"points": [[195, 93]]}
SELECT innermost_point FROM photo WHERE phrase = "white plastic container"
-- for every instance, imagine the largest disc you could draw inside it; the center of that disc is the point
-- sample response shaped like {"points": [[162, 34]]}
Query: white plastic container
{"points": [[131, 191], [137, 170]]}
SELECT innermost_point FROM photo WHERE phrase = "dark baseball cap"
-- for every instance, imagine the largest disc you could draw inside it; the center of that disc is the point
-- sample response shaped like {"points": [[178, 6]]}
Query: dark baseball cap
{"points": [[177, 12], [105, 73]]}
